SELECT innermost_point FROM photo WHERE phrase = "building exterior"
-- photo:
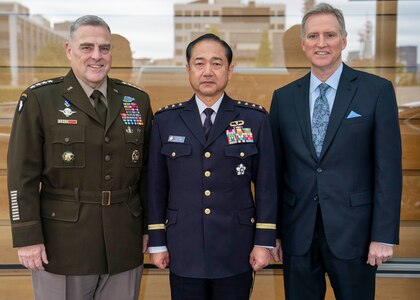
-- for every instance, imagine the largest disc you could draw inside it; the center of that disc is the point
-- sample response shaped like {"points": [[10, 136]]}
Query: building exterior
{"points": [[246, 28], [22, 37]]}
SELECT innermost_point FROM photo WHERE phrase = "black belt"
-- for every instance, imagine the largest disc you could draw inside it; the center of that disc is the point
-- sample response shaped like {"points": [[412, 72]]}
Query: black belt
{"points": [[105, 198]]}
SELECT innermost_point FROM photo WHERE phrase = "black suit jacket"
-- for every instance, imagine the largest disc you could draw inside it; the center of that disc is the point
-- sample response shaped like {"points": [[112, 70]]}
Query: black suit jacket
{"points": [[357, 180], [201, 203]]}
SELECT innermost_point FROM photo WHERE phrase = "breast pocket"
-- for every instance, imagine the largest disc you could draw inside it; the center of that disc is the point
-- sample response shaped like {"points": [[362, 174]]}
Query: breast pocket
{"points": [[175, 150], [241, 151], [68, 146], [134, 146]]}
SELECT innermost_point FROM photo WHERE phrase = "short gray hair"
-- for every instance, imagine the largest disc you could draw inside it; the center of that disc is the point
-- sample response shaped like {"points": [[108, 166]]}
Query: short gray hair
{"points": [[88, 20], [325, 8]]}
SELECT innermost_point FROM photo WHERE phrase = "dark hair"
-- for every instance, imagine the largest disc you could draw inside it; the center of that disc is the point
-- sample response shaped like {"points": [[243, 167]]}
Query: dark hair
{"points": [[210, 37], [325, 8], [88, 20]]}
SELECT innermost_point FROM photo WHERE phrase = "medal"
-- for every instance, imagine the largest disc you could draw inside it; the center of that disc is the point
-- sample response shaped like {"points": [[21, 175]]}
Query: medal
{"points": [[239, 134]]}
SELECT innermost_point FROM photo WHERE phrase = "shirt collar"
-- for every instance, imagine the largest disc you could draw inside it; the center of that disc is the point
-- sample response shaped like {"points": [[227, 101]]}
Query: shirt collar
{"points": [[332, 81], [201, 106], [88, 90]]}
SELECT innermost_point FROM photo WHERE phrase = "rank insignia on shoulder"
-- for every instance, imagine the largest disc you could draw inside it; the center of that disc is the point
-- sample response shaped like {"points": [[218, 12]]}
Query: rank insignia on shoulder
{"points": [[132, 85], [170, 107], [251, 105], [41, 83], [238, 134], [22, 101]]}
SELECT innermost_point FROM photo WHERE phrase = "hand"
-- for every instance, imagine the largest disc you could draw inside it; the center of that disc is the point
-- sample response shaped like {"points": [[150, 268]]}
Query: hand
{"points": [[33, 257], [259, 258], [145, 243], [379, 253], [160, 260], [276, 252]]}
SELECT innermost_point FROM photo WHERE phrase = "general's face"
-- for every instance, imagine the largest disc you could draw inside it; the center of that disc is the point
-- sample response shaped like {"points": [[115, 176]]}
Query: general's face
{"points": [[209, 71], [323, 43], [89, 52]]}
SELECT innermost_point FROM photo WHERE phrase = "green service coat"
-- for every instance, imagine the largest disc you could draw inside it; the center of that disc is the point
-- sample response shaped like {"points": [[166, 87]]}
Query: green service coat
{"points": [[75, 185]]}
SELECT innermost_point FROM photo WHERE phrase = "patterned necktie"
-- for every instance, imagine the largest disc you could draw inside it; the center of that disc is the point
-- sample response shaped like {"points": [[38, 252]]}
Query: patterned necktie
{"points": [[320, 118], [207, 122], [100, 106]]}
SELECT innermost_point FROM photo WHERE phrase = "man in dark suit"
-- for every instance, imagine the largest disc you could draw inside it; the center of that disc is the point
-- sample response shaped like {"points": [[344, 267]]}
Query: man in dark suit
{"points": [[204, 155], [338, 146], [76, 176]]}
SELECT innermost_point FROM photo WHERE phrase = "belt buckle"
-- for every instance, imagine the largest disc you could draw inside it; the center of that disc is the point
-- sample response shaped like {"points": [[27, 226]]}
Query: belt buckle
{"points": [[106, 198]]}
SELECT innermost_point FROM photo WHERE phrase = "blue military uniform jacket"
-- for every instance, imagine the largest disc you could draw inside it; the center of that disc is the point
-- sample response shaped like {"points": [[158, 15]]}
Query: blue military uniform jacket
{"points": [[201, 205]]}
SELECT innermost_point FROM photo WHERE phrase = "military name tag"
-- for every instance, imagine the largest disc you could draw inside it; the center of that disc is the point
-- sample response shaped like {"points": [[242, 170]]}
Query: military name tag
{"points": [[66, 121], [239, 134], [176, 139]]}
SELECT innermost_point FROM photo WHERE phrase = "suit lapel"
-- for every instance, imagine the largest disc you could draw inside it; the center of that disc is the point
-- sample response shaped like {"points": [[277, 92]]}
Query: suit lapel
{"points": [[224, 116], [343, 98], [301, 102], [191, 118], [77, 96]]}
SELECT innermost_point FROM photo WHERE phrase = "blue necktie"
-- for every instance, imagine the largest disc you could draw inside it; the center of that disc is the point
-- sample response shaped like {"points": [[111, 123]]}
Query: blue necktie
{"points": [[320, 118], [207, 122]]}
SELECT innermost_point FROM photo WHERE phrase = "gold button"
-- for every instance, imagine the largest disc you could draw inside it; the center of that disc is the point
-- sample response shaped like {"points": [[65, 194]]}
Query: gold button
{"points": [[207, 173], [207, 193], [173, 154], [207, 154], [207, 211], [241, 154], [252, 220]]}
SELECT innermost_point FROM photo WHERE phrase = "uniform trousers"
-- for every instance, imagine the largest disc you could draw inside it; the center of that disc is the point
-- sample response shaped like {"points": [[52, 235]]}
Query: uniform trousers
{"points": [[237, 287], [304, 276], [121, 286]]}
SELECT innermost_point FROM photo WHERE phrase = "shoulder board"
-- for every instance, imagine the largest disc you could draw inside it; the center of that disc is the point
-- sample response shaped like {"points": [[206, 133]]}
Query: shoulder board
{"points": [[117, 81], [171, 107], [46, 82], [250, 105]]}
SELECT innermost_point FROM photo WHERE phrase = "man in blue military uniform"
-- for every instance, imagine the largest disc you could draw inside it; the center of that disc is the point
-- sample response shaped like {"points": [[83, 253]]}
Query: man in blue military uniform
{"points": [[204, 155]]}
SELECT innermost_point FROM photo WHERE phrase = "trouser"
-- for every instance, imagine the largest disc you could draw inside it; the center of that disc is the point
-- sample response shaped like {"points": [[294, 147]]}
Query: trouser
{"points": [[121, 286], [304, 276], [237, 287]]}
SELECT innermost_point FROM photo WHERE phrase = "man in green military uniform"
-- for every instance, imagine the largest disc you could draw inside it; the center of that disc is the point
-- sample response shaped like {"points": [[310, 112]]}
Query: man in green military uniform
{"points": [[76, 176]]}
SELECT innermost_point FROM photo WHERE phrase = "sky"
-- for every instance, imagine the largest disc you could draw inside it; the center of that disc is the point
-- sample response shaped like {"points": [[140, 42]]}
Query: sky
{"points": [[148, 24]]}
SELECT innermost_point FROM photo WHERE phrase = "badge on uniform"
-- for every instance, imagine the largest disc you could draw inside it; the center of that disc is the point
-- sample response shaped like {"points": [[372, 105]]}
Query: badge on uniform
{"points": [[67, 111], [238, 134], [132, 114], [68, 157], [135, 156], [240, 169]]}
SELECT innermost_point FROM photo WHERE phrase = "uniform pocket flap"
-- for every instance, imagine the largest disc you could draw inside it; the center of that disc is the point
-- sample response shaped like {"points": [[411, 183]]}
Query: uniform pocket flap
{"points": [[247, 216], [60, 210], [176, 150], [361, 199], [241, 150], [67, 134], [171, 216]]}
